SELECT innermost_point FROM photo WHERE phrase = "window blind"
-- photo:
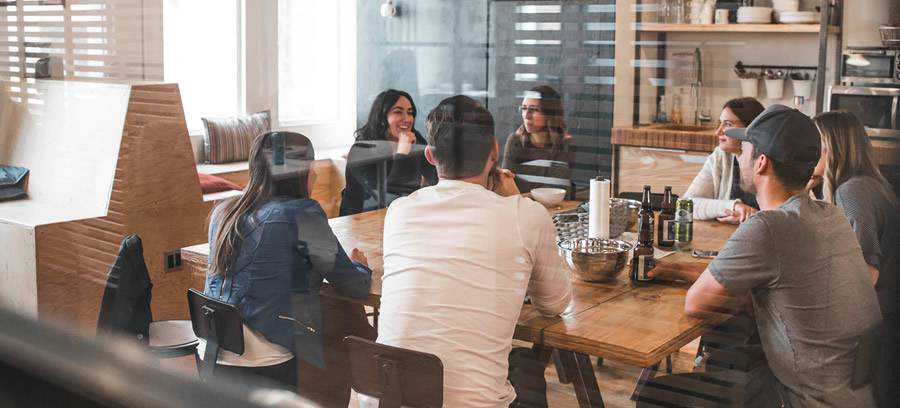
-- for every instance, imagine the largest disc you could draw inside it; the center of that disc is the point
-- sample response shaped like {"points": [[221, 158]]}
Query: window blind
{"points": [[569, 45], [95, 40]]}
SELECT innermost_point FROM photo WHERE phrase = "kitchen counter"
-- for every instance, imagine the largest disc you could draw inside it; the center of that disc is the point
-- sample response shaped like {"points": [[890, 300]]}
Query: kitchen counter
{"points": [[662, 155], [659, 155], [667, 136]]}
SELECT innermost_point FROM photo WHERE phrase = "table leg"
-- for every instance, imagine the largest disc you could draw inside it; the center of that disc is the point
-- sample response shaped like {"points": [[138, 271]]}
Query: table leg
{"points": [[579, 369], [560, 369], [382, 183], [646, 374]]}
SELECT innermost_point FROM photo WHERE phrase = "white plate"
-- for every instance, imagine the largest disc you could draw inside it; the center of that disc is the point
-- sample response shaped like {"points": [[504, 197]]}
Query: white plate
{"points": [[798, 17], [801, 20], [754, 20]]}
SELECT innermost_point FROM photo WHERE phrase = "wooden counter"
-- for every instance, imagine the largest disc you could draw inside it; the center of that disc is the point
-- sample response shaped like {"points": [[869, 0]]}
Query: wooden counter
{"points": [[666, 155], [657, 156]]}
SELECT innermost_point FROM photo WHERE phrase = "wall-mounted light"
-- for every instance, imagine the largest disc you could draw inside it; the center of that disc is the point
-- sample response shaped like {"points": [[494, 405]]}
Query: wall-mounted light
{"points": [[858, 60], [388, 9]]}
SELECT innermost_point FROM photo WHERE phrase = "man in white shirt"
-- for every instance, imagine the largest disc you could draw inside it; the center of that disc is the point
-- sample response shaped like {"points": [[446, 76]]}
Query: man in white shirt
{"points": [[459, 260]]}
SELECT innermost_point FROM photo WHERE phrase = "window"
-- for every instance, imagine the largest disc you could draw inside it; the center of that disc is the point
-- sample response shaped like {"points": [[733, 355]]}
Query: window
{"points": [[91, 40], [202, 53], [309, 61]]}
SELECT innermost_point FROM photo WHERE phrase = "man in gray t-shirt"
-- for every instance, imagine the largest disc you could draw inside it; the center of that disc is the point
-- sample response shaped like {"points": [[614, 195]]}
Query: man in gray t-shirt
{"points": [[811, 295], [801, 265]]}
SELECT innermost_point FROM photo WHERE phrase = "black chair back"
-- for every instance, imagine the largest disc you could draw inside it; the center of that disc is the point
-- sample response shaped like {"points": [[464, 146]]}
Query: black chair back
{"points": [[219, 324], [125, 307], [398, 377]]}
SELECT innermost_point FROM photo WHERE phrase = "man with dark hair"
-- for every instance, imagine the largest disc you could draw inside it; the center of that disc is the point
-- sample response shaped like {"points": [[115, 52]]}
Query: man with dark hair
{"points": [[800, 264], [459, 260]]}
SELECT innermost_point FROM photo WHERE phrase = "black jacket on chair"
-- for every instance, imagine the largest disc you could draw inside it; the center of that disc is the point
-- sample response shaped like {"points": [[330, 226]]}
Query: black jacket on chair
{"points": [[125, 308]]}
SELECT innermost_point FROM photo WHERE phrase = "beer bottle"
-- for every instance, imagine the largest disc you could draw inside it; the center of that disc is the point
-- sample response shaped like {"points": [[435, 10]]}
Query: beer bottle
{"points": [[665, 225], [643, 261]]}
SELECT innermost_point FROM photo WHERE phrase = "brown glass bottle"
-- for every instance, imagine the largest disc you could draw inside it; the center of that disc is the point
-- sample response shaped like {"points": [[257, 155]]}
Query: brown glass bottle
{"points": [[665, 223], [643, 261]]}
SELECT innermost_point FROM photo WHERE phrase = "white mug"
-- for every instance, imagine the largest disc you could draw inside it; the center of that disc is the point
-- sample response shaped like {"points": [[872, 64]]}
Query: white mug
{"points": [[722, 16]]}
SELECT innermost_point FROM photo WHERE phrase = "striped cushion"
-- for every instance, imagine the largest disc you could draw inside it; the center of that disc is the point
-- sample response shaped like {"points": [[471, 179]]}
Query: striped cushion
{"points": [[228, 139]]}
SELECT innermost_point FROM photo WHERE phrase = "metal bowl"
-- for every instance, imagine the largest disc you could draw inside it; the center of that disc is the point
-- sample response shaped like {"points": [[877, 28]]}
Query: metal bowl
{"points": [[623, 208], [594, 259]]}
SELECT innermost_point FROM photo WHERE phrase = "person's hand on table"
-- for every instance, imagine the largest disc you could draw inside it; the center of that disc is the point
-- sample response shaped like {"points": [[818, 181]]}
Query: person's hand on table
{"points": [[359, 257], [505, 183], [406, 142], [739, 214]]}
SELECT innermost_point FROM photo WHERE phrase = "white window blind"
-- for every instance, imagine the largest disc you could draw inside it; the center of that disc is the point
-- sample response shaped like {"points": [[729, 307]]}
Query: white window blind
{"points": [[95, 40]]}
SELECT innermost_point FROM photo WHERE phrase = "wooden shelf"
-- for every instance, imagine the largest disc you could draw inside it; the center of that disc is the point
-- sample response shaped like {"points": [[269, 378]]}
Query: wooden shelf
{"points": [[734, 28]]}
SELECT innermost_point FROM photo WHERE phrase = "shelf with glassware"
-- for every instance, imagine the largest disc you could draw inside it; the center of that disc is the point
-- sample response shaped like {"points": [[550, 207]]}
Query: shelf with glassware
{"points": [[734, 28], [651, 35]]}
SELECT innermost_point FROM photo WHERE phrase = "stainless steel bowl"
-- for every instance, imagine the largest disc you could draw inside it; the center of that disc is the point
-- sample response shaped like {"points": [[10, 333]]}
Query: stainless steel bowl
{"points": [[624, 209], [593, 259]]}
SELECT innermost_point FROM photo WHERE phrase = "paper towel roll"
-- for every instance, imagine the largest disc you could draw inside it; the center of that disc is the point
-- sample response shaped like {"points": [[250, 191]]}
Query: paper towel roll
{"points": [[598, 209]]}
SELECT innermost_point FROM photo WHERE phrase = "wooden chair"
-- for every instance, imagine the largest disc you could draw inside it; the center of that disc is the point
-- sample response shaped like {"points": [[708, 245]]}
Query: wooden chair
{"points": [[398, 377], [219, 324], [125, 307]]}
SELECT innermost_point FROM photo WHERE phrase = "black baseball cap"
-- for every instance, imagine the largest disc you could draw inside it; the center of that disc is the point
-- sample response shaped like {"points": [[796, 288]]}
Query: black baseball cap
{"points": [[784, 134]]}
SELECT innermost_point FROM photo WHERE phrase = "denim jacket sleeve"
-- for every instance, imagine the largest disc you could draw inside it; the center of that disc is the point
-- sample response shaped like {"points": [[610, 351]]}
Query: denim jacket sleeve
{"points": [[327, 257]]}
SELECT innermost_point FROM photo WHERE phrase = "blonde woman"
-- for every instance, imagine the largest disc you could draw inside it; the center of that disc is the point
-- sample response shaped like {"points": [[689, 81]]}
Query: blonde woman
{"points": [[716, 189], [852, 181]]}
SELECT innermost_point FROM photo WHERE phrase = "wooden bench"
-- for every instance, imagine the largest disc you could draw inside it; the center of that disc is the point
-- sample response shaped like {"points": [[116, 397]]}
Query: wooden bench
{"points": [[329, 173]]}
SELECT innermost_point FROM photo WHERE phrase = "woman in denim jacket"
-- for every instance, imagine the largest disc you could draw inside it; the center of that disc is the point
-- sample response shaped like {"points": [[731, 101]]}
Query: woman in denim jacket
{"points": [[270, 250]]}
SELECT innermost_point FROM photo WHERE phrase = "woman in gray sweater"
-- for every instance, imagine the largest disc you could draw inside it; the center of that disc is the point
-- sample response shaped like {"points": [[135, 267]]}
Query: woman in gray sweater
{"points": [[542, 136], [853, 182]]}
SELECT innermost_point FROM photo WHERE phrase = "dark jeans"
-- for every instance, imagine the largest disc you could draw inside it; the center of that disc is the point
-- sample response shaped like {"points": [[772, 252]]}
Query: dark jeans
{"points": [[330, 386], [737, 377], [526, 374], [887, 374]]}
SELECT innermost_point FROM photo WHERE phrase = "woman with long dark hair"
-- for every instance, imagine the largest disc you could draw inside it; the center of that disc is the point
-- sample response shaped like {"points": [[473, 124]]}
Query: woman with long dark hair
{"points": [[542, 135], [716, 190], [391, 118], [270, 250], [853, 182]]}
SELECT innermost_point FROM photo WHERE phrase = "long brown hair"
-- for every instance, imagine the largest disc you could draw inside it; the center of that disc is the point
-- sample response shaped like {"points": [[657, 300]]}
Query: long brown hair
{"points": [[849, 152], [261, 188], [746, 109], [552, 109]]}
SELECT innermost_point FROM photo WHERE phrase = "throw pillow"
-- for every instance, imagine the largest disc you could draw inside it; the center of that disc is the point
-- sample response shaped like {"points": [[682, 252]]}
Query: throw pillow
{"points": [[228, 139], [213, 184]]}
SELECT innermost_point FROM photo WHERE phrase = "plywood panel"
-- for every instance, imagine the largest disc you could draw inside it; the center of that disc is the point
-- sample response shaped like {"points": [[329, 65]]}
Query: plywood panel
{"points": [[155, 194], [70, 145], [17, 278], [639, 166]]}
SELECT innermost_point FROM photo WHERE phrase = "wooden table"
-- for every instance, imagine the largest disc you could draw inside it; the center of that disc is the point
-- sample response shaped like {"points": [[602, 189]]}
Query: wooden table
{"points": [[639, 325]]}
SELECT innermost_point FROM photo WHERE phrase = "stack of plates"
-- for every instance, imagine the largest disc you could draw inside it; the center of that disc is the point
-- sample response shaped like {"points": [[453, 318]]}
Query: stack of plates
{"points": [[798, 17], [754, 15]]}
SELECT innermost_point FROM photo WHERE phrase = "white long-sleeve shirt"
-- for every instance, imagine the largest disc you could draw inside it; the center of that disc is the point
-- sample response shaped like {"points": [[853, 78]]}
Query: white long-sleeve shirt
{"points": [[711, 188], [458, 262]]}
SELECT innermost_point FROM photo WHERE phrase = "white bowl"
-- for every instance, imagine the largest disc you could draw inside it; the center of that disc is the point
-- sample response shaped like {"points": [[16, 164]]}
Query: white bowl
{"points": [[549, 197], [754, 15]]}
